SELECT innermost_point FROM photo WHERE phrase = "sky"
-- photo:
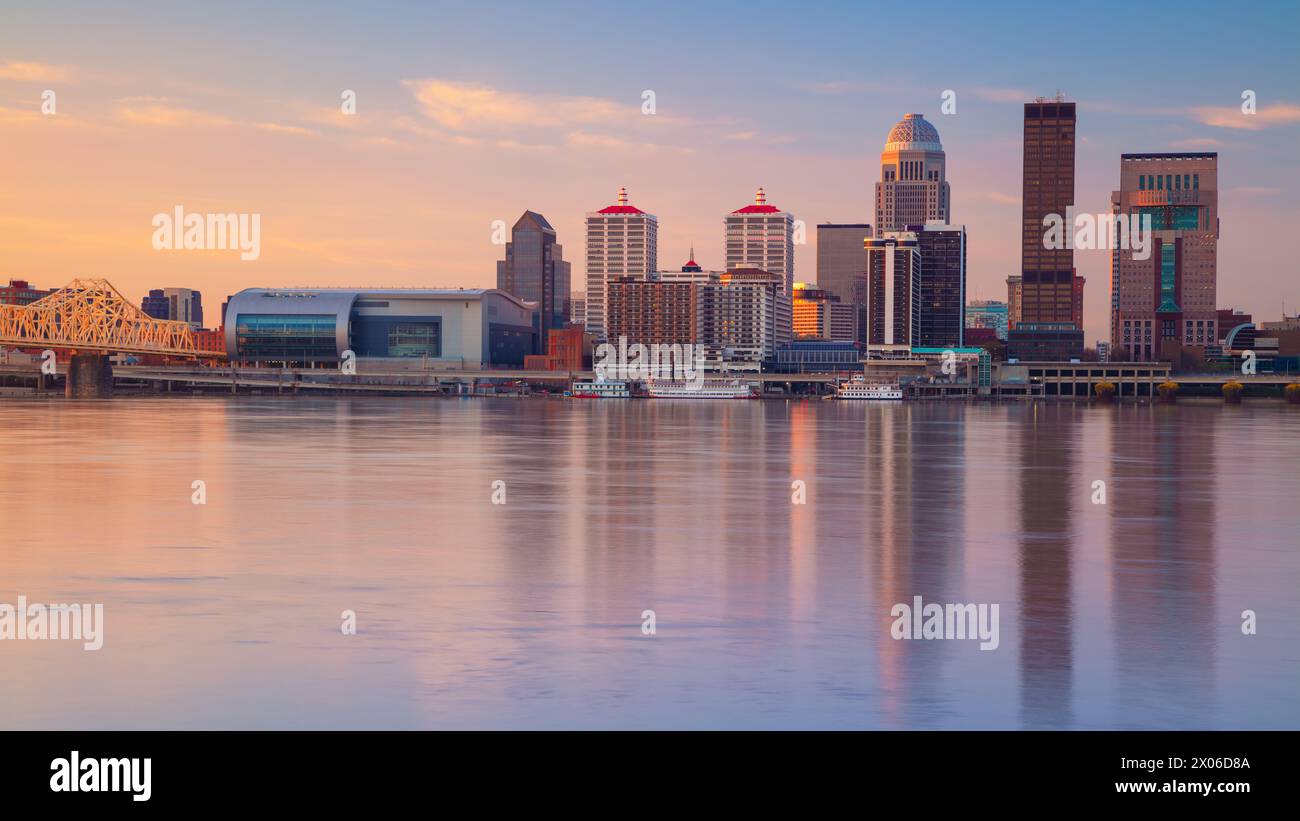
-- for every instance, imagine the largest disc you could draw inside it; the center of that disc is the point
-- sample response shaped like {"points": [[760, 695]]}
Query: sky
{"points": [[469, 113]]}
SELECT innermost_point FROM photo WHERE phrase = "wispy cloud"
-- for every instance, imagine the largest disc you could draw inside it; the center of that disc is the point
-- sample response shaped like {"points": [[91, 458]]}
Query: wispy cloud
{"points": [[32, 117], [33, 72], [334, 116], [279, 128], [150, 112], [166, 116], [478, 108], [1234, 117], [17, 116]]}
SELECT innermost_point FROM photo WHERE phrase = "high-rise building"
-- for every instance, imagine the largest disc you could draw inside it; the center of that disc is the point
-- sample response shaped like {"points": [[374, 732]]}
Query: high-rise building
{"points": [[941, 309], [622, 241], [1048, 189], [913, 188], [745, 315], [20, 292], [820, 314], [534, 270], [1046, 322], [1166, 299], [651, 311], [841, 257], [578, 309], [1014, 289], [988, 313], [175, 304], [893, 288], [762, 236]]}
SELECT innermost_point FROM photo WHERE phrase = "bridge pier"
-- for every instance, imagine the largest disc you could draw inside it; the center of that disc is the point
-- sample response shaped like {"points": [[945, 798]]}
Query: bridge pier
{"points": [[90, 376]]}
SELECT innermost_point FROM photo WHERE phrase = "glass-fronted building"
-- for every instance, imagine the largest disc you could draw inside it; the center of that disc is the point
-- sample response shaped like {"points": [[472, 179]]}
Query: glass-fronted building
{"points": [[466, 328], [941, 306], [988, 313]]}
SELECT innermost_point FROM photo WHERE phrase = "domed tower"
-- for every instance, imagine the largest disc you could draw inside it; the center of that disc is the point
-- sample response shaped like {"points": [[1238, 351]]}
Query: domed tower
{"points": [[913, 187]]}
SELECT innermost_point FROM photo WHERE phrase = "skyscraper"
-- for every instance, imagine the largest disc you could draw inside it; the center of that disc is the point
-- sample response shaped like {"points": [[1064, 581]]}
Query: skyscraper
{"points": [[941, 309], [1046, 321], [622, 241], [762, 236], [534, 270], [913, 188], [1166, 299], [893, 288], [841, 257]]}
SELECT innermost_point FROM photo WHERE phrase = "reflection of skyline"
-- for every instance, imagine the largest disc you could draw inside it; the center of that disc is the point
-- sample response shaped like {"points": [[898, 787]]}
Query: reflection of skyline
{"points": [[527, 614], [1046, 645], [920, 523], [1163, 568]]}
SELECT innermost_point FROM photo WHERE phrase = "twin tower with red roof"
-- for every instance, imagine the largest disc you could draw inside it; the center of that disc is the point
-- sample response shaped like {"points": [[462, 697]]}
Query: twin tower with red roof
{"points": [[622, 241]]}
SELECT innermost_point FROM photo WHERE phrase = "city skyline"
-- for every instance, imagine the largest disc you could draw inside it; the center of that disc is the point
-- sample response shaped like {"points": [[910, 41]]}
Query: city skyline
{"points": [[405, 192]]}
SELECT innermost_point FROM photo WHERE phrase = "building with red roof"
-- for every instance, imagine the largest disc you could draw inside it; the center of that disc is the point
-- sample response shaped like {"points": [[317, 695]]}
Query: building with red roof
{"points": [[622, 241], [762, 236]]}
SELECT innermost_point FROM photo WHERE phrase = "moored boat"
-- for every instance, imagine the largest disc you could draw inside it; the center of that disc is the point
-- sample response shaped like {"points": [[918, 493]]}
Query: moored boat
{"points": [[600, 389], [704, 389], [859, 388]]}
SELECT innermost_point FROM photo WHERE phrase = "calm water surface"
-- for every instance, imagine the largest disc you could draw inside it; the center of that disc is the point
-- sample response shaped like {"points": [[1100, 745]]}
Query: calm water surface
{"points": [[769, 614]]}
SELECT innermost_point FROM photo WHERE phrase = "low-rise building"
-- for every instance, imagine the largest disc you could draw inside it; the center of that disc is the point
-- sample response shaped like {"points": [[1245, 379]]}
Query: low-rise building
{"points": [[438, 327]]}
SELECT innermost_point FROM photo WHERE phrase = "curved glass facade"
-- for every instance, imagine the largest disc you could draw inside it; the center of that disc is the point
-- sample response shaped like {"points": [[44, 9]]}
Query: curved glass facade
{"points": [[287, 337]]}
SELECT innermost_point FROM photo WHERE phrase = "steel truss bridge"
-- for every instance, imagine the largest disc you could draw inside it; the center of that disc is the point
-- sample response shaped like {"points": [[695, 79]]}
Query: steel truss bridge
{"points": [[91, 316]]}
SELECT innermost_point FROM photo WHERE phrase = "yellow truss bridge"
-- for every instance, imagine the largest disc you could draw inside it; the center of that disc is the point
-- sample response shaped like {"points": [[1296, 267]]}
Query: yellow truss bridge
{"points": [[90, 316]]}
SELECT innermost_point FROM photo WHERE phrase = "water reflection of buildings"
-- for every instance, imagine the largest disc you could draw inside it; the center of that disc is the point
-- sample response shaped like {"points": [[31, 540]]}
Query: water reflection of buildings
{"points": [[916, 487], [1164, 509], [1047, 474]]}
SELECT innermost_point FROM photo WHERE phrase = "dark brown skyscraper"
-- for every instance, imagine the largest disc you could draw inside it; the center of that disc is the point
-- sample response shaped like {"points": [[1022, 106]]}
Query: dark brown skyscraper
{"points": [[1048, 274], [1046, 322], [534, 270]]}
